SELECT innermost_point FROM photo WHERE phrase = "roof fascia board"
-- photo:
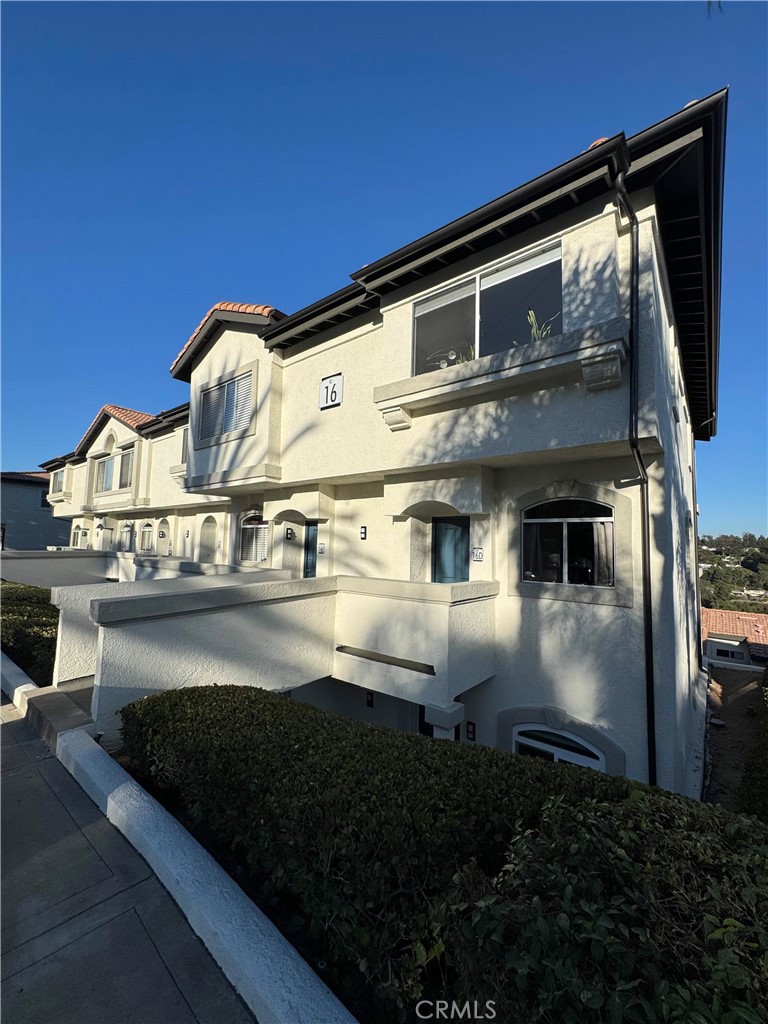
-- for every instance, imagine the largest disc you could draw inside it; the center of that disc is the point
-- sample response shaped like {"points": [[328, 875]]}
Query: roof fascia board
{"points": [[318, 312], [586, 167], [182, 368]]}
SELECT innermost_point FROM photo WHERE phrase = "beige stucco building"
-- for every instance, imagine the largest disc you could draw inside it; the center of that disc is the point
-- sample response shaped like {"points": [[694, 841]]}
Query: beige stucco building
{"points": [[119, 489], [459, 492]]}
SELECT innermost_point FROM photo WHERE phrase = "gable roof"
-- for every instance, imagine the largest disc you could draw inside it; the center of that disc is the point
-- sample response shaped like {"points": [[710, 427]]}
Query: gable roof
{"points": [[218, 314], [130, 418], [752, 626]]}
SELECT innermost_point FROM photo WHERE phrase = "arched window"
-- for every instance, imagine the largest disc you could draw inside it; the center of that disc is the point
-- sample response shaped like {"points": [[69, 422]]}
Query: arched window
{"points": [[146, 538], [126, 537], [569, 541], [555, 745], [76, 537], [254, 539]]}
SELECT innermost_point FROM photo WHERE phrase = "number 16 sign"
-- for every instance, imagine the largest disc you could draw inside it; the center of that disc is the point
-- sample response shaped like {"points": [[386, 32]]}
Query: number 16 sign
{"points": [[331, 391]]}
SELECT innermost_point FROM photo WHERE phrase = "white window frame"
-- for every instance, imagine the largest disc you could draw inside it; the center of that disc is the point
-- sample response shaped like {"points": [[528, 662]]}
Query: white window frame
{"points": [[147, 529], [560, 754], [262, 527], [473, 285], [127, 530], [101, 472], [565, 521], [127, 458], [57, 482]]}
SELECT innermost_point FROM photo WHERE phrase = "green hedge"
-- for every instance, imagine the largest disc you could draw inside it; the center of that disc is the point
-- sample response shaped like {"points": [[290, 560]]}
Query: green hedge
{"points": [[752, 797], [30, 624], [429, 869]]}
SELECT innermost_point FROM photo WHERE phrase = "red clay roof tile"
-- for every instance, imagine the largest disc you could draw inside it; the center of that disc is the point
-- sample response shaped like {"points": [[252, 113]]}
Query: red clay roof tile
{"points": [[227, 307], [752, 625]]}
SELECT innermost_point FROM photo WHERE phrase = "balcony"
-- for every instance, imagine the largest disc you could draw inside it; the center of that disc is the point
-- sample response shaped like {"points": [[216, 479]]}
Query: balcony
{"points": [[421, 642]]}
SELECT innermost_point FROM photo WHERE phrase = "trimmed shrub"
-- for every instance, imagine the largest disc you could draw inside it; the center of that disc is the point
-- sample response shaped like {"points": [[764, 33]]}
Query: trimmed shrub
{"points": [[30, 624], [438, 870], [752, 797]]}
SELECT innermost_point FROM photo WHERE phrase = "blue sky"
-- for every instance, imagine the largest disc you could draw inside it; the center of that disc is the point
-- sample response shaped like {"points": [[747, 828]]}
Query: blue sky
{"points": [[160, 157]]}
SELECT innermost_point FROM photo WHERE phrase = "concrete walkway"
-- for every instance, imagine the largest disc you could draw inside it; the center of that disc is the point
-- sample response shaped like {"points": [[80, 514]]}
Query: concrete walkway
{"points": [[89, 935]]}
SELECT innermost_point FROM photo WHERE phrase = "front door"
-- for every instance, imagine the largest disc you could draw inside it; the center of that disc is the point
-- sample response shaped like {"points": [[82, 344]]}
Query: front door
{"points": [[208, 538], [310, 550], [450, 550]]}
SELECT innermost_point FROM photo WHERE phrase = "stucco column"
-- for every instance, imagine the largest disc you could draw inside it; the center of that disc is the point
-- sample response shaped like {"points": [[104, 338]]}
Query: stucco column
{"points": [[444, 719]]}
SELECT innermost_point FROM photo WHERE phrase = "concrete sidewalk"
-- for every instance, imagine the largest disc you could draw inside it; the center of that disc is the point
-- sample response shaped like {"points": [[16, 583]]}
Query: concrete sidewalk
{"points": [[90, 936]]}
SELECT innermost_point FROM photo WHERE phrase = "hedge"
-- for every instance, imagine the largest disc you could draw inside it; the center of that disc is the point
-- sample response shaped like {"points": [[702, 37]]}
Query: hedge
{"points": [[30, 624], [752, 796], [430, 869]]}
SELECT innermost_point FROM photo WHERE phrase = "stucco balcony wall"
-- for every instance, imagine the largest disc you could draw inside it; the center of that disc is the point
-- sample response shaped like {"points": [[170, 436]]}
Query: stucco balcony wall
{"points": [[447, 630], [282, 634], [77, 644]]}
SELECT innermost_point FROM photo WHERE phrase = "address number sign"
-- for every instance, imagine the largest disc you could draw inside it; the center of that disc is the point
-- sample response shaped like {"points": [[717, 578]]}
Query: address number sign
{"points": [[331, 391]]}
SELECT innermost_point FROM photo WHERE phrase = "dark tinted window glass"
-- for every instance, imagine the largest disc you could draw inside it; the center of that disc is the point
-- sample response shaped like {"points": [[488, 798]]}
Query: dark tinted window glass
{"points": [[555, 739], [543, 552], [445, 336], [569, 509], [523, 748], [505, 309]]}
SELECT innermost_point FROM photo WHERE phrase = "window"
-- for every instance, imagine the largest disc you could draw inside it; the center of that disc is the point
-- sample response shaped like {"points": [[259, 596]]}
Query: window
{"points": [[493, 312], [44, 499], [569, 541], [126, 538], [722, 652], [105, 470], [226, 407], [126, 468], [146, 538], [57, 482], [184, 445], [76, 537], [551, 745], [254, 537]]}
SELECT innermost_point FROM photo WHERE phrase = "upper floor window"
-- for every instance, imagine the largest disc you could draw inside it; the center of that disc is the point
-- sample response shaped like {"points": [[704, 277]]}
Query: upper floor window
{"points": [[105, 471], [569, 541], [44, 499], [184, 445], [126, 468], [226, 407], [57, 482], [254, 537], [492, 312]]}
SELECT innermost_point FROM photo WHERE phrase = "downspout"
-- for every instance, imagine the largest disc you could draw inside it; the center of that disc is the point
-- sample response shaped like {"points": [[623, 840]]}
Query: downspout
{"points": [[634, 415]]}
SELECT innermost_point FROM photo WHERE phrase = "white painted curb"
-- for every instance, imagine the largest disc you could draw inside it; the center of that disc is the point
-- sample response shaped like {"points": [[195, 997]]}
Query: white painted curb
{"points": [[15, 682], [265, 969], [267, 972]]}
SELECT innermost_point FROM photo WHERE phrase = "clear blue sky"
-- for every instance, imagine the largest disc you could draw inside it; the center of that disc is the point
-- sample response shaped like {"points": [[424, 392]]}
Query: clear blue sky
{"points": [[160, 157]]}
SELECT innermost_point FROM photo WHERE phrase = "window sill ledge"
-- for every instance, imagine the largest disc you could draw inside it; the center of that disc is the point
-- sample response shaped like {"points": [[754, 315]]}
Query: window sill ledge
{"points": [[591, 356], [59, 497]]}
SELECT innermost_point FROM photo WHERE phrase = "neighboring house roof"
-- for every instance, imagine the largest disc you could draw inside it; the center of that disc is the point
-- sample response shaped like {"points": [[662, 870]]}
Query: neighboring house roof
{"points": [[751, 626], [222, 312], [32, 477]]}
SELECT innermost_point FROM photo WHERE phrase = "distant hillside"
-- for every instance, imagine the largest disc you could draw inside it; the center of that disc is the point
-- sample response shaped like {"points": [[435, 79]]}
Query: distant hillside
{"points": [[734, 572]]}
